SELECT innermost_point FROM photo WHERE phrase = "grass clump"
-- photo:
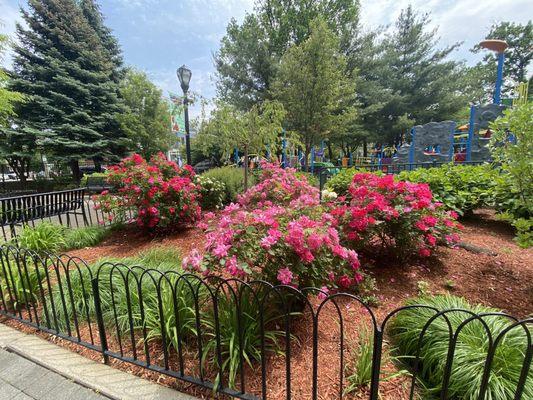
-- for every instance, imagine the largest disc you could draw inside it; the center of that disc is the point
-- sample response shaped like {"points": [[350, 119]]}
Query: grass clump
{"points": [[233, 180], [84, 237], [43, 238], [470, 352]]}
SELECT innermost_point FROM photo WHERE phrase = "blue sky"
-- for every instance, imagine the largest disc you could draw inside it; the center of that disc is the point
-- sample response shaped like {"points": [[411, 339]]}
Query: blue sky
{"points": [[158, 36]]}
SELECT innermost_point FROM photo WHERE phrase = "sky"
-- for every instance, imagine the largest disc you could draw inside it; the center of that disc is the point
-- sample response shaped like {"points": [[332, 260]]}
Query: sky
{"points": [[158, 36]]}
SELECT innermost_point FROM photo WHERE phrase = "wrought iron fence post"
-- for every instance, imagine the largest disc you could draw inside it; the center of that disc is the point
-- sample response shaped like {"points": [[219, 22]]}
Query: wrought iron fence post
{"points": [[376, 364], [100, 319]]}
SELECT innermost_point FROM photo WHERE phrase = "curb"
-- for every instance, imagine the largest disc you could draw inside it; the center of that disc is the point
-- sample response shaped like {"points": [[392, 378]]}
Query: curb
{"points": [[103, 379]]}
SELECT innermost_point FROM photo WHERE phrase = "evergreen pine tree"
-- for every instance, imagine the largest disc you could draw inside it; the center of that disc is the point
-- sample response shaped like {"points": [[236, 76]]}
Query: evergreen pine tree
{"points": [[64, 71]]}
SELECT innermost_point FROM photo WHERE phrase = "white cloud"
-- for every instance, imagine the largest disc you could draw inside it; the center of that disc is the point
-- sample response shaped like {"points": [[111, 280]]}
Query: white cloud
{"points": [[465, 21]]}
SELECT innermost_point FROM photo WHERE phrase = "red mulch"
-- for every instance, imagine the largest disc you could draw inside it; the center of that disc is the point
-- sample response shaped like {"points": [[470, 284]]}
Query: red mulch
{"points": [[504, 281]]}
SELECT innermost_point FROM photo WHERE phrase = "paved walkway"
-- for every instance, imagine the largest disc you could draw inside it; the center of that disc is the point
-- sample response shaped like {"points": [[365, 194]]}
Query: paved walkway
{"points": [[21, 379], [50, 372]]}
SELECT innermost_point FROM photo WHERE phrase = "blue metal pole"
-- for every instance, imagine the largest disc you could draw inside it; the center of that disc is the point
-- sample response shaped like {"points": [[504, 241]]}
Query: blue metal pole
{"points": [[499, 79], [412, 147], [452, 142], [236, 155], [470, 133]]}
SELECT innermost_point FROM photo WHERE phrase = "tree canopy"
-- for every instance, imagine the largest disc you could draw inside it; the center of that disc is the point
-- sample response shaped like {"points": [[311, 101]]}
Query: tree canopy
{"points": [[146, 120]]}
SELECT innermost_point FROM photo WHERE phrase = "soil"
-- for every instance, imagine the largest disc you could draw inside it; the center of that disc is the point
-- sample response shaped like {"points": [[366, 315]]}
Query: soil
{"points": [[503, 280]]}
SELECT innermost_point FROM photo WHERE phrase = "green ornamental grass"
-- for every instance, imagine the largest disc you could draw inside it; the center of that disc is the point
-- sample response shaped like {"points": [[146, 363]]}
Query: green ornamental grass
{"points": [[470, 353]]}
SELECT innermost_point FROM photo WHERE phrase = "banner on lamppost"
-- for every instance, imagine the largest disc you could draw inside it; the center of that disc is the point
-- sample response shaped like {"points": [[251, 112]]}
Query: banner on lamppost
{"points": [[177, 115]]}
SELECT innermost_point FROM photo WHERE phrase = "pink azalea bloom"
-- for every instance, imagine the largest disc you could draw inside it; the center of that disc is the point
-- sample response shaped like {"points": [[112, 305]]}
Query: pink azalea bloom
{"points": [[285, 276], [323, 294]]}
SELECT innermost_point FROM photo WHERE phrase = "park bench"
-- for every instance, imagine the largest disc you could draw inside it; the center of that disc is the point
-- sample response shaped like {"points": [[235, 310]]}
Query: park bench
{"points": [[97, 184], [21, 210]]}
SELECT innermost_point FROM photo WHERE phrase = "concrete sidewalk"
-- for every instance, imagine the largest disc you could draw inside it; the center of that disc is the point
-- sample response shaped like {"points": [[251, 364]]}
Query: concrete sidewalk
{"points": [[21, 379], [29, 363]]}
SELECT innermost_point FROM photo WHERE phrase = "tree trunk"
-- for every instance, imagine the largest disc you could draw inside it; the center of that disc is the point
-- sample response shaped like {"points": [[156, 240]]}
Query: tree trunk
{"points": [[330, 151], [97, 164], [365, 148], [75, 168], [245, 168]]}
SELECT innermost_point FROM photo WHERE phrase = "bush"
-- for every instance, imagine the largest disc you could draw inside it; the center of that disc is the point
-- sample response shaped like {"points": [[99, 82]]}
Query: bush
{"points": [[400, 216], [512, 147], [461, 188], [19, 281], [280, 187], [214, 193], [51, 238], [161, 194], [233, 180], [247, 324], [43, 238], [83, 181], [470, 352], [298, 247], [340, 182], [84, 237]]}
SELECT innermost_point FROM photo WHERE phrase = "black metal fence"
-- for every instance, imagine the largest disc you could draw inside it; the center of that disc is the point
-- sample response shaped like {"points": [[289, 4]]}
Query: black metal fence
{"points": [[72, 208], [242, 339]]}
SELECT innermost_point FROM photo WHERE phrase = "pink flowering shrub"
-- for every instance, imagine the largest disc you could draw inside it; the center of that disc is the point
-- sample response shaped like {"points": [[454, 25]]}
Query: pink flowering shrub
{"points": [[280, 187], [160, 194], [280, 245], [400, 216]]}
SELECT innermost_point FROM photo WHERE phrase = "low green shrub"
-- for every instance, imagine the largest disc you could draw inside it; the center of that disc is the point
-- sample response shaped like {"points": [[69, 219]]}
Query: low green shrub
{"points": [[51, 238], [340, 182], [84, 237], [470, 352], [43, 238], [213, 192], [461, 188], [83, 181], [232, 178], [20, 285], [248, 322]]}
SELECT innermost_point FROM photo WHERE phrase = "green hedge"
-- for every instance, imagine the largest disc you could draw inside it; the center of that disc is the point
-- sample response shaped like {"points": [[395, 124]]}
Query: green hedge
{"points": [[233, 180], [461, 188]]}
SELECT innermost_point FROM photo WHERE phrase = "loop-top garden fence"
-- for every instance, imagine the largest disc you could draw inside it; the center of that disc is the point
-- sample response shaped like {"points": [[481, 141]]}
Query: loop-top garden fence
{"points": [[237, 338]]}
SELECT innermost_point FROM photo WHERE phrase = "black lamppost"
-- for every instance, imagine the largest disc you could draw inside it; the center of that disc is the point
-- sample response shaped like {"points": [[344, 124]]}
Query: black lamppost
{"points": [[184, 75]]}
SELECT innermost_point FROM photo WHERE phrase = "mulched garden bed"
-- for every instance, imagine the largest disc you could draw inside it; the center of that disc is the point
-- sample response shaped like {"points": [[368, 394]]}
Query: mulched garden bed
{"points": [[504, 281]]}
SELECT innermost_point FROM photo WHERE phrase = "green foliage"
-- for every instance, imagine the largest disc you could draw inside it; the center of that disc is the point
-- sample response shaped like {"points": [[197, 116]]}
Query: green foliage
{"points": [[83, 181], [240, 315], [147, 119], [72, 103], [470, 352], [7, 97], [84, 237], [516, 158], [340, 182], [249, 131], [313, 87], [43, 238], [233, 181], [359, 367], [19, 283], [249, 54], [461, 188], [518, 55], [46, 237], [213, 193], [514, 192]]}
